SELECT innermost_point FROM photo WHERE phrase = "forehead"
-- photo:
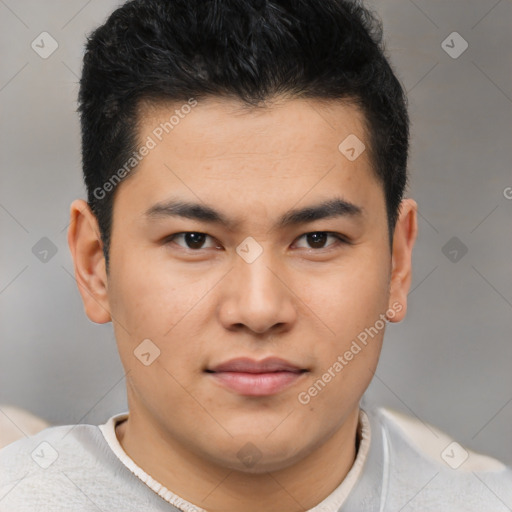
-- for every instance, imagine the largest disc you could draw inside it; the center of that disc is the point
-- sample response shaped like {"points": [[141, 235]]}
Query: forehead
{"points": [[217, 125], [266, 156]]}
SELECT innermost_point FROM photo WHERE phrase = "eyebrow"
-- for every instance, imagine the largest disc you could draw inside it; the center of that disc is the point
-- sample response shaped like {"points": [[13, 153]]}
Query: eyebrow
{"points": [[331, 208]]}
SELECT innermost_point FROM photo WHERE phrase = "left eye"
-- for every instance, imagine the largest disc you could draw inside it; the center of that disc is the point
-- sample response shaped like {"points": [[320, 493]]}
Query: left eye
{"points": [[317, 239]]}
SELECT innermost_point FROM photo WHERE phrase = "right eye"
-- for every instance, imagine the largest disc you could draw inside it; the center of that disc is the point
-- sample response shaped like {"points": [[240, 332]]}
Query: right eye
{"points": [[193, 240]]}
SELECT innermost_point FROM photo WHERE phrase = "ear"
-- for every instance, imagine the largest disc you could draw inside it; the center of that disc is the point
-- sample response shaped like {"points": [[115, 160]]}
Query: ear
{"points": [[406, 230], [90, 270]]}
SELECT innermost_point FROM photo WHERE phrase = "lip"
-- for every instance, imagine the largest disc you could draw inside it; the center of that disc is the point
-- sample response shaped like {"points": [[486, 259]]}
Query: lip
{"points": [[249, 377], [248, 365]]}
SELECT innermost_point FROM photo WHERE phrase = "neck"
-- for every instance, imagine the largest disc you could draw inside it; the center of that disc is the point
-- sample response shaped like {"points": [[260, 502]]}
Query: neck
{"points": [[205, 484]]}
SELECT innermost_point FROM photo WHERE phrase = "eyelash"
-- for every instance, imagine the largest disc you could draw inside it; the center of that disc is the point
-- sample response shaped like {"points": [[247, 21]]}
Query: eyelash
{"points": [[340, 239]]}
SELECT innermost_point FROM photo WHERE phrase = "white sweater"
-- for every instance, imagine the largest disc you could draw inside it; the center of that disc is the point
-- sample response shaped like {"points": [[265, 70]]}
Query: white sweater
{"points": [[401, 465]]}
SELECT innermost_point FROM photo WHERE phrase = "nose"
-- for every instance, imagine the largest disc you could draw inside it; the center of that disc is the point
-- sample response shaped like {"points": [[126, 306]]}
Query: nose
{"points": [[257, 297]]}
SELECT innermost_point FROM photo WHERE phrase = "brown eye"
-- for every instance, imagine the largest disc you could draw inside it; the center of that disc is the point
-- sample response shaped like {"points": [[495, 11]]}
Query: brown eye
{"points": [[192, 239], [318, 239]]}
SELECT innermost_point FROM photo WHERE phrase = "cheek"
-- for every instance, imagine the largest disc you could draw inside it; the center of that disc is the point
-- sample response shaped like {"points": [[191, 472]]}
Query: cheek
{"points": [[150, 297], [163, 305], [351, 297], [351, 307]]}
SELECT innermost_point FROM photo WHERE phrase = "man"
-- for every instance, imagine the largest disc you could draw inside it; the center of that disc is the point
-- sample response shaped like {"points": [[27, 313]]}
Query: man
{"points": [[247, 235]]}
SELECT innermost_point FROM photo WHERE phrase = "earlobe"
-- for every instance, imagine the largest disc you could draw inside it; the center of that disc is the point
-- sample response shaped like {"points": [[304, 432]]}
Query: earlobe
{"points": [[404, 237], [89, 263]]}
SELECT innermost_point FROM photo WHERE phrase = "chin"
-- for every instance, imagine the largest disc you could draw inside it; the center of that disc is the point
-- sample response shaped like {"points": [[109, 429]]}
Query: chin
{"points": [[266, 464], [259, 455]]}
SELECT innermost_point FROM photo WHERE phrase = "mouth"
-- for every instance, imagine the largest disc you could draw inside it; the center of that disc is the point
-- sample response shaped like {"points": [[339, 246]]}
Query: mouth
{"points": [[249, 377]]}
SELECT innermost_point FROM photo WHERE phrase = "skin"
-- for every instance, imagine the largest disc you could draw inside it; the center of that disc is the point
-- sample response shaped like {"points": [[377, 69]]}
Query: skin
{"points": [[299, 301]]}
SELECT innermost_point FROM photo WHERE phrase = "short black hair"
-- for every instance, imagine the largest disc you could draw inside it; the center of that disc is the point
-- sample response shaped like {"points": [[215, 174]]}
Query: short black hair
{"points": [[251, 50]]}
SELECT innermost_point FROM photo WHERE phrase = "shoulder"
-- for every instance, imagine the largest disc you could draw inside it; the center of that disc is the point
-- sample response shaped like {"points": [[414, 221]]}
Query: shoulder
{"points": [[51, 470], [42, 467], [70, 468], [62, 444], [443, 473]]}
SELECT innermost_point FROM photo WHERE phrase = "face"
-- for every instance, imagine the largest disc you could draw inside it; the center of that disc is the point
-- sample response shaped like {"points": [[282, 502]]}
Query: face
{"points": [[252, 255]]}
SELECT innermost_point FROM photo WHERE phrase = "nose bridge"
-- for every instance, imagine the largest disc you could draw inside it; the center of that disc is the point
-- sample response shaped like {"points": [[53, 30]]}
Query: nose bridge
{"points": [[261, 300], [256, 278]]}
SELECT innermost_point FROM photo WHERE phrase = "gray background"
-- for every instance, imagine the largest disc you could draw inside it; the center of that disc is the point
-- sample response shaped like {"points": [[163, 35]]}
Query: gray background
{"points": [[448, 362]]}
